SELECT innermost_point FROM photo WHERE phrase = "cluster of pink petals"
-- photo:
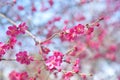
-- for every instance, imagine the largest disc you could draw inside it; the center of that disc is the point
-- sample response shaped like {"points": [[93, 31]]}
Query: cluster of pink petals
{"points": [[79, 29], [2, 49], [54, 61], [12, 42], [23, 58], [45, 50], [14, 30], [90, 30], [76, 66], [72, 33], [18, 76], [20, 7], [68, 75], [22, 27]]}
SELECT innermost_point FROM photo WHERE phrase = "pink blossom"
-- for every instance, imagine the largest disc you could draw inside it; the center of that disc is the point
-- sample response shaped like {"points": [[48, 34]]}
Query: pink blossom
{"points": [[51, 2], [76, 66], [20, 7], [79, 29], [54, 61], [33, 8], [23, 58], [22, 27], [3, 49], [68, 34], [111, 56], [67, 75], [90, 30], [71, 34], [12, 42], [45, 50], [18, 76], [12, 31]]}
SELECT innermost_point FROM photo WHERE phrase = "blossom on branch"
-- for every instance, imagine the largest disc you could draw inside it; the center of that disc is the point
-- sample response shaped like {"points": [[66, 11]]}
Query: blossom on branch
{"points": [[23, 58]]}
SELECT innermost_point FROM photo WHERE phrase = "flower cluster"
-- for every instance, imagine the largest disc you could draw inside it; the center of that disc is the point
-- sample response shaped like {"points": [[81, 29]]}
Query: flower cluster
{"points": [[45, 50], [2, 49], [90, 30], [76, 66], [67, 75], [71, 33], [18, 76], [54, 61], [14, 30], [23, 58], [12, 41]]}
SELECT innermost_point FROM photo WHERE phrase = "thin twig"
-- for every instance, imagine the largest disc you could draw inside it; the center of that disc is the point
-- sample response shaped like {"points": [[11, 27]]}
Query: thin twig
{"points": [[93, 24], [70, 50], [54, 35]]}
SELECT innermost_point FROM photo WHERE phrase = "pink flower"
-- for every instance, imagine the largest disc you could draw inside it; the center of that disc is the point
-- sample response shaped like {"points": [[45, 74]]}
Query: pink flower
{"points": [[68, 59], [32, 78], [12, 42], [3, 49], [23, 58], [45, 50], [54, 61], [12, 31], [18, 76], [67, 75], [84, 76], [57, 19], [71, 34], [111, 56], [90, 30], [68, 34], [22, 27], [76, 66], [79, 29], [97, 56], [20, 7], [33, 8], [112, 48], [51, 2]]}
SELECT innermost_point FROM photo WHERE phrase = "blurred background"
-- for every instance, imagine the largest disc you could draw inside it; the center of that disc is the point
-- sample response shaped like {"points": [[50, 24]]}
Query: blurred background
{"points": [[46, 17]]}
